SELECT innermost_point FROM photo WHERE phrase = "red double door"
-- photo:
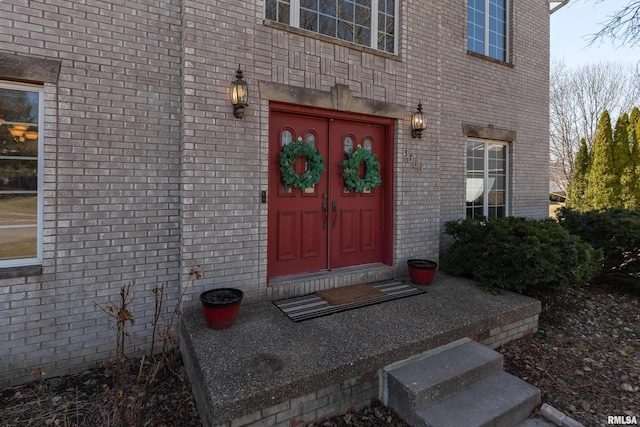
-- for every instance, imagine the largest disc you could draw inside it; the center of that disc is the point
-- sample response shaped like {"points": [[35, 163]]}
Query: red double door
{"points": [[327, 226]]}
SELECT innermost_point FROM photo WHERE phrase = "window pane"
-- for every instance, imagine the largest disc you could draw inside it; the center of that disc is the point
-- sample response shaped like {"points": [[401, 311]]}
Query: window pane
{"points": [[349, 20], [368, 145], [271, 10], [363, 16], [345, 31], [18, 175], [348, 146], [487, 41], [309, 20], [363, 35], [311, 139], [346, 9], [328, 7], [309, 4], [18, 226], [287, 137], [486, 188], [327, 25], [19, 133], [278, 10]]}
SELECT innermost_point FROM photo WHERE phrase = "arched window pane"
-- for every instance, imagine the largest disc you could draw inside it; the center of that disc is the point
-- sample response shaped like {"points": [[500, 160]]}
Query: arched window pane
{"points": [[287, 137], [368, 145], [311, 139], [348, 145]]}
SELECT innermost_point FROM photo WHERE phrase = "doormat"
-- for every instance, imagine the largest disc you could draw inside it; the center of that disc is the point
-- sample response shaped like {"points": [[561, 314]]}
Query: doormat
{"points": [[312, 306], [349, 294]]}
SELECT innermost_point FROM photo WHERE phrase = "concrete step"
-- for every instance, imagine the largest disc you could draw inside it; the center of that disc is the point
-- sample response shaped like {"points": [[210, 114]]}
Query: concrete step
{"points": [[459, 384], [500, 400], [415, 383]]}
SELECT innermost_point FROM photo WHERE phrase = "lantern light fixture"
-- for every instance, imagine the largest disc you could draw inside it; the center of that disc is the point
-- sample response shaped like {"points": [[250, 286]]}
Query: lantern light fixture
{"points": [[418, 122], [239, 94]]}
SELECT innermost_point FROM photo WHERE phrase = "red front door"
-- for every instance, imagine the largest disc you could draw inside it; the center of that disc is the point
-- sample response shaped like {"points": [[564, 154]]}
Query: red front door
{"points": [[355, 235], [327, 226]]}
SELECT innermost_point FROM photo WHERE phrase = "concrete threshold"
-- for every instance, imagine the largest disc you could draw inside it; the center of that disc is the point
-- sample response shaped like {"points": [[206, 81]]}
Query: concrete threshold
{"points": [[265, 359]]}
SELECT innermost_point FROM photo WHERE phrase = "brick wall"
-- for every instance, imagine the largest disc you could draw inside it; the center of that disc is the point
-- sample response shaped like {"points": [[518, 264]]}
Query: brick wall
{"points": [[111, 195], [500, 335], [147, 172], [351, 395]]}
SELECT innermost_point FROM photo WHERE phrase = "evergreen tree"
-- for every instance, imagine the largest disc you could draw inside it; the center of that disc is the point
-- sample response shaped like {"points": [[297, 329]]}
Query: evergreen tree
{"points": [[629, 187], [621, 161], [580, 179], [635, 161], [633, 122], [603, 180]]}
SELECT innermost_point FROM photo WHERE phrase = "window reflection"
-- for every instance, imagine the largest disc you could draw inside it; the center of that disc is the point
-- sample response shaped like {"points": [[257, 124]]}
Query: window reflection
{"points": [[19, 133], [349, 20], [486, 179], [348, 146], [287, 137], [368, 145]]}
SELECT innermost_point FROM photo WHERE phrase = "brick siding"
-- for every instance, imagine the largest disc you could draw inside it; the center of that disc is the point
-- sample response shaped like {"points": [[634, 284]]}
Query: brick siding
{"points": [[147, 172]]}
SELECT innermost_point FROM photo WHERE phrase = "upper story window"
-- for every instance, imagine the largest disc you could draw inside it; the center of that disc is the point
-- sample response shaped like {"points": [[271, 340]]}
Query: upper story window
{"points": [[370, 23], [21, 127], [487, 28]]}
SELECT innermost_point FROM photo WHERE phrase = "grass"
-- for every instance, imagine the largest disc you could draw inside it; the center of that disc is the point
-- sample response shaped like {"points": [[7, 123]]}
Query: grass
{"points": [[21, 249], [18, 208], [18, 242]]}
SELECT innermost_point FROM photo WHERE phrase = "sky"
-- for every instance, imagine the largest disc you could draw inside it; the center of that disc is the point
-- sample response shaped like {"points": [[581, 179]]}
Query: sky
{"points": [[571, 27]]}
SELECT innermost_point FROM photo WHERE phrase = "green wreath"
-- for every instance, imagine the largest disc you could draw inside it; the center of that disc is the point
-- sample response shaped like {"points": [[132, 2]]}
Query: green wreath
{"points": [[351, 169], [288, 156]]}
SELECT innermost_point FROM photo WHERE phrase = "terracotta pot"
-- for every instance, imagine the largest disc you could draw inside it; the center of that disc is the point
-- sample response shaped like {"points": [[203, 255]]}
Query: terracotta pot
{"points": [[422, 271], [221, 306]]}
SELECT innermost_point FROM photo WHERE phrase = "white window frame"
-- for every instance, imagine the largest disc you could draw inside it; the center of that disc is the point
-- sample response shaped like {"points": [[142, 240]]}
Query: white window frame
{"points": [[487, 17], [294, 18], [22, 262], [485, 176]]}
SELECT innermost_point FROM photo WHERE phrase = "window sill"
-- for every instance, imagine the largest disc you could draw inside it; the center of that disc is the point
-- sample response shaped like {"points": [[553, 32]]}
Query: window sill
{"points": [[490, 59], [25, 271], [328, 39]]}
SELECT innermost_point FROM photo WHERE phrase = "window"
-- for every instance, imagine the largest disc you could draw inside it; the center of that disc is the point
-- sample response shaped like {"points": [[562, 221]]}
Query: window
{"points": [[351, 20], [20, 174], [487, 28], [487, 167]]}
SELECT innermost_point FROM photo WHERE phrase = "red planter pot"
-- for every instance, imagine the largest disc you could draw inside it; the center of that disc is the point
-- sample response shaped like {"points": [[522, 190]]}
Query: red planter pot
{"points": [[221, 306], [422, 271]]}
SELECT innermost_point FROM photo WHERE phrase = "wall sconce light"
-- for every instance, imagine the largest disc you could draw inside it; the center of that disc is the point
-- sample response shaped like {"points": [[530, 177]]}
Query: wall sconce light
{"points": [[418, 122], [239, 94]]}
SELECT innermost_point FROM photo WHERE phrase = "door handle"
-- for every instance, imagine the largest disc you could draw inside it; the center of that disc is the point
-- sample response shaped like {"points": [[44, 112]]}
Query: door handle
{"points": [[325, 209], [334, 208]]}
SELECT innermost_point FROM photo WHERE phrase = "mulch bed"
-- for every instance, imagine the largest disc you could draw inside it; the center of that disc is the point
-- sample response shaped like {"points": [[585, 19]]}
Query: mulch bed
{"points": [[585, 359]]}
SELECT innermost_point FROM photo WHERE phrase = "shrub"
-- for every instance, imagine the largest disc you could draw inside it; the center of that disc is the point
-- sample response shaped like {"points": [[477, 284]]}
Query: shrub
{"points": [[518, 254], [615, 231]]}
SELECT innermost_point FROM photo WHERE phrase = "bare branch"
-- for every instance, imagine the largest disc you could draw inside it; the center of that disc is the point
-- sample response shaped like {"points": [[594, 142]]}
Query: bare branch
{"points": [[623, 27]]}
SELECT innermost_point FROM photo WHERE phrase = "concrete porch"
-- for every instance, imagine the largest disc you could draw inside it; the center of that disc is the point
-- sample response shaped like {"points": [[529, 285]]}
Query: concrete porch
{"points": [[269, 371]]}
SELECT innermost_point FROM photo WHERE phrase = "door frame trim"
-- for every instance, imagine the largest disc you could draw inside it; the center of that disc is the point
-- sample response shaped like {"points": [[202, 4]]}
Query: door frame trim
{"points": [[389, 149]]}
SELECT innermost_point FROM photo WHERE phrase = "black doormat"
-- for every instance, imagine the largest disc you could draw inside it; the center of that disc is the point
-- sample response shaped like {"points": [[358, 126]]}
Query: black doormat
{"points": [[312, 306]]}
